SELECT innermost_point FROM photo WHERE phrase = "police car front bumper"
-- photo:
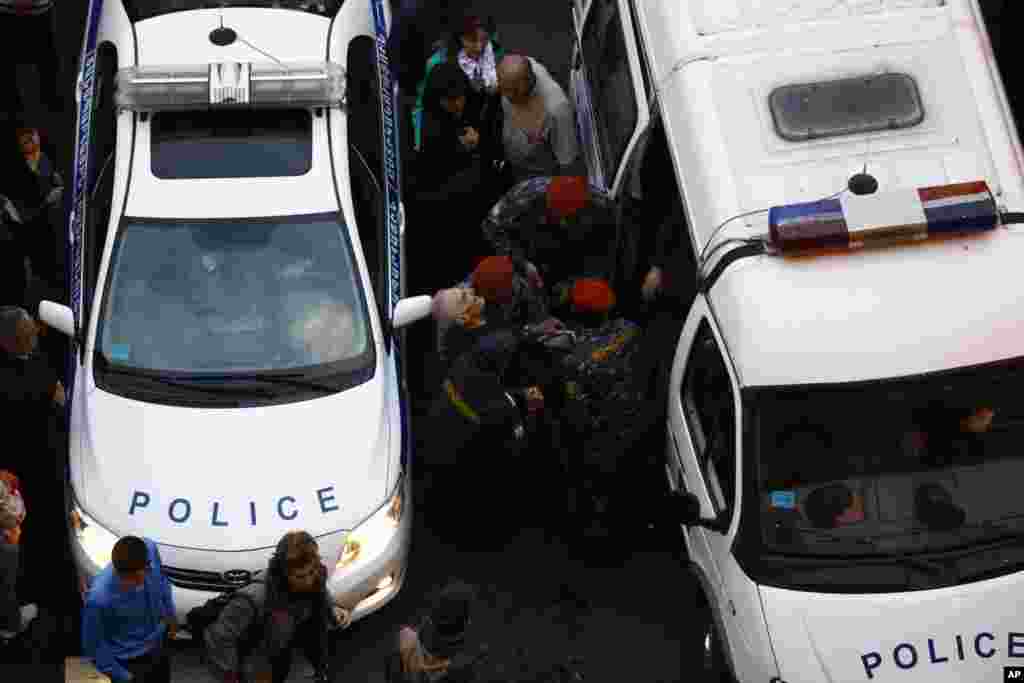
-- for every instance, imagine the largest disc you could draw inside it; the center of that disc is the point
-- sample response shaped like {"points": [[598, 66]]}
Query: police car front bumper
{"points": [[367, 586], [362, 588]]}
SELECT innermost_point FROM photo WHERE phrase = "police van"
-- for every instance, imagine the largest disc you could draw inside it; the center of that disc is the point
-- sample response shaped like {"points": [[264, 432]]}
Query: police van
{"points": [[236, 294], [844, 413]]}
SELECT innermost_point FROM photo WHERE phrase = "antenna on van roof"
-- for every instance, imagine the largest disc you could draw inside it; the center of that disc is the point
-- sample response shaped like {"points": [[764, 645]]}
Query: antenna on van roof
{"points": [[757, 244], [224, 36]]}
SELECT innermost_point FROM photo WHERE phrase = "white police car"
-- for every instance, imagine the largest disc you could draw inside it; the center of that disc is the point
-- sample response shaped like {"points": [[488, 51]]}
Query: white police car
{"points": [[844, 411], [237, 274]]}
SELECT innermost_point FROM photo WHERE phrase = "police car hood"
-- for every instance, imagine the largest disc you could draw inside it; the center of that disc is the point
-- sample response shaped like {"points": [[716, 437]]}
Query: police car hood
{"points": [[235, 478], [184, 37], [963, 633]]}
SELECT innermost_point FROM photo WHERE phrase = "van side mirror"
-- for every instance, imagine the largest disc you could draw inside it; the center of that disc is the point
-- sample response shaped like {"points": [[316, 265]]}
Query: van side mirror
{"points": [[687, 512], [57, 316], [409, 310]]}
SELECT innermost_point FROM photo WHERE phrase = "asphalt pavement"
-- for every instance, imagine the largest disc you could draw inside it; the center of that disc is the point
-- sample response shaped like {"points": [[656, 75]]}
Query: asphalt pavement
{"points": [[624, 614]]}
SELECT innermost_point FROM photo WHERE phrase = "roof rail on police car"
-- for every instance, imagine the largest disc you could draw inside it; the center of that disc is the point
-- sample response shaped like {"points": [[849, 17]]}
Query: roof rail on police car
{"points": [[219, 84]]}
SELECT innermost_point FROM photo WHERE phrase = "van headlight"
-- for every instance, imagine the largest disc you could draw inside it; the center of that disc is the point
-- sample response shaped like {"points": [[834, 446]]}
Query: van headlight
{"points": [[95, 541], [368, 540]]}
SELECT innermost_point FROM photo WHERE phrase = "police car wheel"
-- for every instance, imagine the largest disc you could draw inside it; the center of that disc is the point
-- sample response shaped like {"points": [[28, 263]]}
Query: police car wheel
{"points": [[711, 665]]}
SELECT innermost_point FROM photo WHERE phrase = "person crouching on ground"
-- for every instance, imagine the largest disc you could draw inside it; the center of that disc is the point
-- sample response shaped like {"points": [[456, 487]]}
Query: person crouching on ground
{"points": [[437, 648], [128, 614], [253, 638]]}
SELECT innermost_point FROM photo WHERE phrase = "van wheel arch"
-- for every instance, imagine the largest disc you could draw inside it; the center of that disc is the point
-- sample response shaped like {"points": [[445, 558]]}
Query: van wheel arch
{"points": [[708, 653]]}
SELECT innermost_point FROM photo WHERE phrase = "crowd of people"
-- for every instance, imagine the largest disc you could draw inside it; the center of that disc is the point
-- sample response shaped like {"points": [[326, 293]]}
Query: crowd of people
{"points": [[35, 573], [251, 636], [546, 337], [556, 315]]}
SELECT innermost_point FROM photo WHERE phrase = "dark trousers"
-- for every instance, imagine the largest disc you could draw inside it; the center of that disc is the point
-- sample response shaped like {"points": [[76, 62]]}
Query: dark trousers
{"points": [[307, 639], [12, 272], [43, 240], [152, 667], [28, 40], [661, 337]]}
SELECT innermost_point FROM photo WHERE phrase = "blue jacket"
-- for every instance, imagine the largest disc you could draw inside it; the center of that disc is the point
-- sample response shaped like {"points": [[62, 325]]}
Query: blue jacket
{"points": [[119, 624]]}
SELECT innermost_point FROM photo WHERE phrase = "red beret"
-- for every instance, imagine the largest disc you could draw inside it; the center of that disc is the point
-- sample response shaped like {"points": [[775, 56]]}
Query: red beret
{"points": [[493, 278], [566, 195], [592, 295]]}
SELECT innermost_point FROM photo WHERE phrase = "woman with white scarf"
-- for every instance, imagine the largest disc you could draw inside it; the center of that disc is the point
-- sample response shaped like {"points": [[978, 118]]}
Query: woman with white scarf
{"points": [[474, 47]]}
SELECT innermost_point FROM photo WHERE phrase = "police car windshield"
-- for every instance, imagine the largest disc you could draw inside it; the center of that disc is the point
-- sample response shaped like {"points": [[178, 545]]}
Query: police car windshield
{"points": [[139, 10], [903, 467], [238, 297]]}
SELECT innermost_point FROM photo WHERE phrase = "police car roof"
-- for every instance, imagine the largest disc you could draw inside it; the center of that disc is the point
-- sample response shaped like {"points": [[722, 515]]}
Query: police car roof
{"points": [[183, 37], [717, 61], [312, 192]]}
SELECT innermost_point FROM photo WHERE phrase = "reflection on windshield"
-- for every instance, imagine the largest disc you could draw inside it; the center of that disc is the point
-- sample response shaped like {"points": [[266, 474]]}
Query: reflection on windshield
{"points": [[139, 10], [904, 468], [236, 297]]}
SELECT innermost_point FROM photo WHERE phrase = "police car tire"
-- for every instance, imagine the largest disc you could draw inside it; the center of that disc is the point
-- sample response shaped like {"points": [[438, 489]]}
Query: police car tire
{"points": [[706, 666]]}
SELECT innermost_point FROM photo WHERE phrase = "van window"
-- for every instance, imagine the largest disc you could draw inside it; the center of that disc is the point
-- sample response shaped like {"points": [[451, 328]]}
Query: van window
{"points": [[645, 68], [846, 107], [654, 200], [610, 81], [708, 404]]}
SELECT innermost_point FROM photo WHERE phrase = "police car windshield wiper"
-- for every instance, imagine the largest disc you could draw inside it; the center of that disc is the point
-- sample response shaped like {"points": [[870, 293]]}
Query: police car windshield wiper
{"points": [[193, 385], [913, 560], [904, 559], [156, 378], [293, 379]]}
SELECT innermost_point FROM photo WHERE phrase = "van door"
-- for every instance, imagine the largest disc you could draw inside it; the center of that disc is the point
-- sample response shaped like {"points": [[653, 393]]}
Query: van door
{"points": [[607, 89], [703, 457]]}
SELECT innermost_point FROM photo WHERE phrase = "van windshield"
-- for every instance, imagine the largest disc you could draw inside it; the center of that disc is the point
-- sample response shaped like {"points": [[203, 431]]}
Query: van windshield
{"points": [[894, 468]]}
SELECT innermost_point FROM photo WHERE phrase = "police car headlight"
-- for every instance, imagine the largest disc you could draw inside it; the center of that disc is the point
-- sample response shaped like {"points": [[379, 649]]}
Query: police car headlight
{"points": [[368, 540], [95, 541]]}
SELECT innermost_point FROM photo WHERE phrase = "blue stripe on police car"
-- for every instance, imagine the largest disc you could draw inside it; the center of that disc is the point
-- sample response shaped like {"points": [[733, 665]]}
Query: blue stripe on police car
{"points": [[181, 510]]}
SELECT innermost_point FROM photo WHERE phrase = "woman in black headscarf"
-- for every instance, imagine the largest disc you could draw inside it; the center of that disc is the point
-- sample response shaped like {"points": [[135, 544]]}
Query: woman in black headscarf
{"points": [[454, 170]]}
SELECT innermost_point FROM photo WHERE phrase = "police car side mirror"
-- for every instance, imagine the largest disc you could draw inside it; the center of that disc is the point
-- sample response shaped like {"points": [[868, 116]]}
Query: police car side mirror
{"points": [[687, 512], [410, 310], [57, 316]]}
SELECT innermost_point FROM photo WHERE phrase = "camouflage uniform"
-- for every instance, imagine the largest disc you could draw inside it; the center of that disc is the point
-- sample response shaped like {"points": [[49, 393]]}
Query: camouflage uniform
{"points": [[606, 409], [517, 226]]}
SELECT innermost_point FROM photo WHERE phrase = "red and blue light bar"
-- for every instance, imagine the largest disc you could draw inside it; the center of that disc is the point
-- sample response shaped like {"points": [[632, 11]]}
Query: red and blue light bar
{"points": [[853, 221]]}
